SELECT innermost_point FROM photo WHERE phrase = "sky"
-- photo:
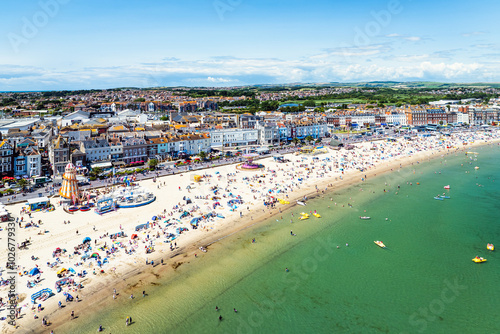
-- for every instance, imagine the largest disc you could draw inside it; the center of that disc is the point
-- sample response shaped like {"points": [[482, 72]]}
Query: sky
{"points": [[76, 44]]}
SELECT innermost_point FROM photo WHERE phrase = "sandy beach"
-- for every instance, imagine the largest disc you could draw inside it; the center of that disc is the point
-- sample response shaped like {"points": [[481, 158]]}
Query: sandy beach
{"points": [[130, 267]]}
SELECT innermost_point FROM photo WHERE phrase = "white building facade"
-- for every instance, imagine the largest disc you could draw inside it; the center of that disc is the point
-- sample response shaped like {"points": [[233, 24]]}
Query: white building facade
{"points": [[234, 137]]}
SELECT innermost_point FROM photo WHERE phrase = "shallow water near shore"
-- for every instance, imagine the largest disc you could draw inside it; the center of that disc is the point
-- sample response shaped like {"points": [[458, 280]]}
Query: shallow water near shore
{"points": [[424, 282]]}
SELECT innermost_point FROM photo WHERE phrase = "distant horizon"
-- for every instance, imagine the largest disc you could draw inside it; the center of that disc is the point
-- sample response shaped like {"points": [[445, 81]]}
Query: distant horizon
{"points": [[359, 84]]}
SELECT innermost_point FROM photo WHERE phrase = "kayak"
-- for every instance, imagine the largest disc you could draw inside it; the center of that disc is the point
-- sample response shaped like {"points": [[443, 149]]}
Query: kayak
{"points": [[301, 203], [439, 198], [317, 215], [365, 217], [379, 243], [490, 247], [304, 217], [478, 259]]}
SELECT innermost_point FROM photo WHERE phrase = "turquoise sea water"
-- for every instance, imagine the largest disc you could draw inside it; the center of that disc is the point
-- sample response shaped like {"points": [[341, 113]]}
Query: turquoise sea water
{"points": [[424, 282]]}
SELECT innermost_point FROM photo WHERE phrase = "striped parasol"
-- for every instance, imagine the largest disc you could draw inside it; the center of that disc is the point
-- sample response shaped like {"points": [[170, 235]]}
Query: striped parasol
{"points": [[69, 188]]}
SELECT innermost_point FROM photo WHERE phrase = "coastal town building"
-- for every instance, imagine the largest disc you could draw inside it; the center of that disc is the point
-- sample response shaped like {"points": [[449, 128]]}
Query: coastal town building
{"points": [[6, 157], [59, 155], [96, 149], [233, 138]]}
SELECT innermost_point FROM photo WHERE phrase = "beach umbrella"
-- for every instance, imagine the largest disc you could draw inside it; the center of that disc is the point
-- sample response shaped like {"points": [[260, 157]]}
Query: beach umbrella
{"points": [[34, 271], [87, 239], [95, 255], [61, 271]]}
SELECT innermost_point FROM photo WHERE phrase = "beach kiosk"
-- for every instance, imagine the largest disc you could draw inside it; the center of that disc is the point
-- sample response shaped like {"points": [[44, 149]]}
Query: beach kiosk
{"points": [[39, 203]]}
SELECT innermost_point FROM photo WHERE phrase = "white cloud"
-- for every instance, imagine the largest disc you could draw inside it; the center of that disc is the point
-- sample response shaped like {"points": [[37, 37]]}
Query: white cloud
{"points": [[354, 51], [410, 58], [413, 38], [242, 71], [408, 38], [473, 33], [212, 79]]}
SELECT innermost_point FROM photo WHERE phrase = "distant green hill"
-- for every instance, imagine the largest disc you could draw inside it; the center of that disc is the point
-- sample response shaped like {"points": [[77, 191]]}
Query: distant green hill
{"points": [[368, 84]]}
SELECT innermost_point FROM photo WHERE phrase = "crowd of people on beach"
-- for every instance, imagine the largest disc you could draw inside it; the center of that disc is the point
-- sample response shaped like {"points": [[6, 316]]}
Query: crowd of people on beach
{"points": [[202, 206]]}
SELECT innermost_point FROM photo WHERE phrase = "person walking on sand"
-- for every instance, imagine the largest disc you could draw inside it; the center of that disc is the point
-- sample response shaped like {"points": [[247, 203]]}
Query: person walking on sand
{"points": [[72, 314]]}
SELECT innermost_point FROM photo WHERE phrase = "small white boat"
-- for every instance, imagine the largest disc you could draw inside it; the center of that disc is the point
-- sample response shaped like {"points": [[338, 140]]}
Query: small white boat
{"points": [[365, 217], [301, 203]]}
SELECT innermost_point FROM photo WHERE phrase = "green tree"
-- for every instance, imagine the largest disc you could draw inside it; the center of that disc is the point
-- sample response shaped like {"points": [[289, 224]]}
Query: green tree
{"points": [[22, 183], [152, 163], [295, 141], [309, 103], [269, 105], [140, 99], [309, 139], [96, 171], [202, 155], [164, 118]]}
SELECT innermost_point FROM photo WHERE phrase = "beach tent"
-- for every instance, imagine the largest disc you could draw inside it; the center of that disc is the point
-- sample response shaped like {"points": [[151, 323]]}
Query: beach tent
{"points": [[87, 239], [133, 236], [141, 226], [195, 221], [34, 271], [61, 271]]}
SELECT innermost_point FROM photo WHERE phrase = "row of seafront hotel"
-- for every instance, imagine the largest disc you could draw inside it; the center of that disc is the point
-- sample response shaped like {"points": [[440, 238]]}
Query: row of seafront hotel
{"points": [[44, 146]]}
